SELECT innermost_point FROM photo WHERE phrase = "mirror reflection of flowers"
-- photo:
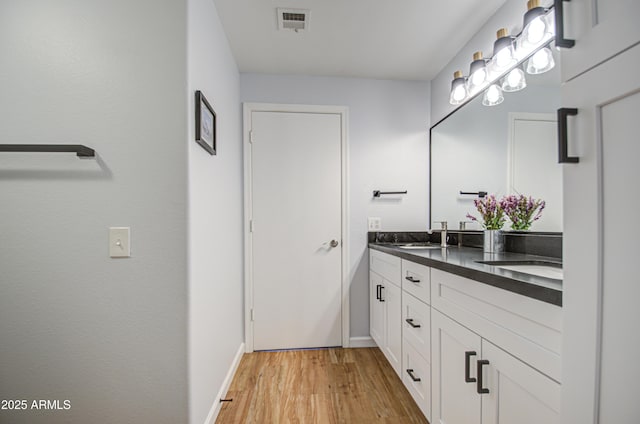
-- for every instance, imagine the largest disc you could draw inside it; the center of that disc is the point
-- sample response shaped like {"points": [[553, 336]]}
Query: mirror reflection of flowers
{"points": [[522, 210], [491, 212]]}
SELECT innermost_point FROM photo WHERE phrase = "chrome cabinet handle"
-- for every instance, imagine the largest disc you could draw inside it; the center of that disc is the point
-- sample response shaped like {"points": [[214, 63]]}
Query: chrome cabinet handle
{"points": [[334, 243]]}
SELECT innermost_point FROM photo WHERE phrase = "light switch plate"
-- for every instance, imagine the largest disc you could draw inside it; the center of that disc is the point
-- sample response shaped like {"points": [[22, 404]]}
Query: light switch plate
{"points": [[120, 242], [375, 223]]}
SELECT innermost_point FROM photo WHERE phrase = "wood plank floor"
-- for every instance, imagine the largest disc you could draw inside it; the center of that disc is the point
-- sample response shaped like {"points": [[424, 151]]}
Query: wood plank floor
{"points": [[318, 386]]}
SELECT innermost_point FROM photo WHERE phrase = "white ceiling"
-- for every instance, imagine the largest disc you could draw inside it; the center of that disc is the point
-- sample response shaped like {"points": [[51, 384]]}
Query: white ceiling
{"points": [[386, 39]]}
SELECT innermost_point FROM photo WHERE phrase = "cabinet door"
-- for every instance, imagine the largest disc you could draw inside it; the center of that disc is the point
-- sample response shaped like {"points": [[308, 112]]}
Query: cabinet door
{"points": [[454, 401], [601, 29], [391, 295], [376, 309], [600, 288], [517, 392]]}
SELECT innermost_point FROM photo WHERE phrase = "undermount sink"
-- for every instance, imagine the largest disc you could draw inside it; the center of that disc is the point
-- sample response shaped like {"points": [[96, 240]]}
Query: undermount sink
{"points": [[419, 246], [545, 269]]}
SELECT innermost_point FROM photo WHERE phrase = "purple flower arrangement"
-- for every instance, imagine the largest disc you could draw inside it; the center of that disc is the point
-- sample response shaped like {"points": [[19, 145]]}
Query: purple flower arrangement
{"points": [[491, 212], [521, 210]]}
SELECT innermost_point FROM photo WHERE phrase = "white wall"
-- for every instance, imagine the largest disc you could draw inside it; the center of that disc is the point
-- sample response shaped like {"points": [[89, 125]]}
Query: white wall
{"points": [[107, 334], [388, 150], [215, 213]]}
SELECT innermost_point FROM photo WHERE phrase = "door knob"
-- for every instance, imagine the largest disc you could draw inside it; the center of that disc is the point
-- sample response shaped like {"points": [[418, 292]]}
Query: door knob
{"points": [[334, 243]]}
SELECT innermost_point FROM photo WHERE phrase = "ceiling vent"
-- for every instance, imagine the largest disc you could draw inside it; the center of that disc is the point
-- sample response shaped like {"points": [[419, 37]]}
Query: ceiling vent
{"points": [[295, 19]]}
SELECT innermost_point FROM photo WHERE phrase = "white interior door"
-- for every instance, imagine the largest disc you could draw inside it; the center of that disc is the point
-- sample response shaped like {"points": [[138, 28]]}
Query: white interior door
{"points": [[296, 229], [533, 164]]}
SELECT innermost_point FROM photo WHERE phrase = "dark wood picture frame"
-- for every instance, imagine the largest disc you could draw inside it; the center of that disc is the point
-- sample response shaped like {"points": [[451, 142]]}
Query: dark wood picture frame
{"points": [[206, 125]]}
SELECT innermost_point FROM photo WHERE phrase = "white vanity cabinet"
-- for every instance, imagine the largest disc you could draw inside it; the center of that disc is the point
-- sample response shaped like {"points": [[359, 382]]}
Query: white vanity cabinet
{"points": [[600, 29], [493, 353], [416, 333], [600, 245], [385, 305], [468, 352], [476, 382]]}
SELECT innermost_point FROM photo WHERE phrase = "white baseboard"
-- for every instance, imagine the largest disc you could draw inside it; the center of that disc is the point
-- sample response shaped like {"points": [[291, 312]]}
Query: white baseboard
{"points": [[366, 341], [215, 408]]}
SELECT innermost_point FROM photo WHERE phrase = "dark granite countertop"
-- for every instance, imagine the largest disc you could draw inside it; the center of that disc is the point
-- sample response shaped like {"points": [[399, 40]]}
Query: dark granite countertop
{"points": [[462, 261]]}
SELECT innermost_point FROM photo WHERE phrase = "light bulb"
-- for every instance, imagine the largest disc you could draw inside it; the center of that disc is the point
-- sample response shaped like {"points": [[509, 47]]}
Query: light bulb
{"points": [[534, 32], [542, 61], [479, 77], [459, 93], [514, 78], [493, 96], [514, 81], [504, 57]]}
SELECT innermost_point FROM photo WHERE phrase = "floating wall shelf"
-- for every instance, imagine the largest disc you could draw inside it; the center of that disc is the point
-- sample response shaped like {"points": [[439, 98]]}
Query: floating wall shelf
{"points": [[78, 149]]}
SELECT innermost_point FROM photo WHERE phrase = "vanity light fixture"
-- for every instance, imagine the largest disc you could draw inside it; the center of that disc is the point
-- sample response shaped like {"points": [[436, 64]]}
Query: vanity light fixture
{"points": [[477, 73], [541, 62], [504, 70], [514, 81], [503, 53], [458, 89], [493, 96]]}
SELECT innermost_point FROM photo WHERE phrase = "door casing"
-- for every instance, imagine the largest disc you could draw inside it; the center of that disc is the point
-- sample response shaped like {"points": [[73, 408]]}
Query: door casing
{"points": [[248, 109]]}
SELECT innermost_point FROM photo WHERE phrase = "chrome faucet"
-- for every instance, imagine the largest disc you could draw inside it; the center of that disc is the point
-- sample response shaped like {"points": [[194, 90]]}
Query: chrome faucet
{"points": [[463, 226], [443, 234]]}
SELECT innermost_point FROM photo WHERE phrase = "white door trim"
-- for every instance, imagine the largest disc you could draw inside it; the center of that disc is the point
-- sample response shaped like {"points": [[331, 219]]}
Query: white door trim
{"points": [[248, 108]]}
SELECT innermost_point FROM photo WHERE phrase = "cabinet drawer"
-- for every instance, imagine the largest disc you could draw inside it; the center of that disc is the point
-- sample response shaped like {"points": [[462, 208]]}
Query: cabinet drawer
{"points": [[416, 324], [525, 327], [414, 364], [416, 280], [385, 265]]}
